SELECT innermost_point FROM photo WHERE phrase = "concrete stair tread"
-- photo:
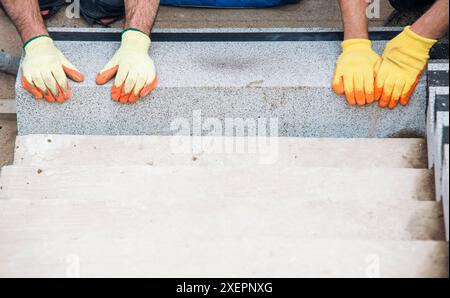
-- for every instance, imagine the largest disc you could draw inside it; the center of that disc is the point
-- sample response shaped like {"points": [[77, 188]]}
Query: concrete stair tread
{"points": [[222, 64], [231, 257], [57, 150], [332, 184], [229, 216]]}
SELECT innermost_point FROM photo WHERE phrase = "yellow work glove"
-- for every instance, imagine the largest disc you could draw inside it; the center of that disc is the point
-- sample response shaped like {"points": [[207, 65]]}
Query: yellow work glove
{"points": [[134, 69], [354, 73], [403, 62], [45, 70]]}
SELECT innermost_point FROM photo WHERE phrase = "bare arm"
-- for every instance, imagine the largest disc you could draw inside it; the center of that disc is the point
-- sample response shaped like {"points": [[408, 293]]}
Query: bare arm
{"points": [[434, 23], [141, 14], [354, 17], [27, 18]]}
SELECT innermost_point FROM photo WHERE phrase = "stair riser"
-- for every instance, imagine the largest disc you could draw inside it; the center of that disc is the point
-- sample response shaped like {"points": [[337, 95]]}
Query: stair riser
{"points": [[223, 219], [259, 257], [259, 182]]}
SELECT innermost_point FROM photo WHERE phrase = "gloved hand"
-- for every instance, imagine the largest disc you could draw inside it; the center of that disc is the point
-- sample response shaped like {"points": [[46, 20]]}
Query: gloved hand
{"points": [[403, 62], [134, 69], [45, 71], [354, 73]]}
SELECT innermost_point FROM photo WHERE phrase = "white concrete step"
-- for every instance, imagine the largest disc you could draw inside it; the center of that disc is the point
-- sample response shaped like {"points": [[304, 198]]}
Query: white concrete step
{"points": [[331, 185], [58, 150], [62, 252], [226, 213]]}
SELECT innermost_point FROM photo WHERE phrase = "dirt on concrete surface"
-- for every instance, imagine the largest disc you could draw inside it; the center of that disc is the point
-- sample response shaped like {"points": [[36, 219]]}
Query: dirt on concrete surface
{"points": [[8, 132]]}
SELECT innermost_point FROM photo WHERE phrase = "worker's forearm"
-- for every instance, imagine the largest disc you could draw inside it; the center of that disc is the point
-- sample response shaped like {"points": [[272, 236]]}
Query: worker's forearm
{"points": [[141, 14], [355, 19], [26, 16], [434, 23]]}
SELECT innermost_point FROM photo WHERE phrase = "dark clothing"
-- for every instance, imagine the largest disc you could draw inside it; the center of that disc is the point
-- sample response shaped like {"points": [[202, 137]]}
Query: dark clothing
{"points": [[94, 11], [229, 3], [405, 5]]}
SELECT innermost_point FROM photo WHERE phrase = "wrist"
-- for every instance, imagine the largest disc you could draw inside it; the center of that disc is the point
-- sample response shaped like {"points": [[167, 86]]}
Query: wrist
{"points": [[37, 42], [417, 40], [360, 34], [356, 44], [427, 30], [29, 32], [135, 38], [132, 29], [136, 27]]}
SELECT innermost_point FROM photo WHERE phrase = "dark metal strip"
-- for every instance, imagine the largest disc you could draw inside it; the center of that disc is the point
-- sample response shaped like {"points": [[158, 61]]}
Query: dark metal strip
{"points": [[438, 79], [222, 37], [441, 104], [440, 51]]}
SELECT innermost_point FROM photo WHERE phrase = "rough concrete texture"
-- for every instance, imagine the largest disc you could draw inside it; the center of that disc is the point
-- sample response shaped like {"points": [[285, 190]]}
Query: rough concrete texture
{"points": [[262, 182], [175, 256], [8, 132], [313, 202], [57, 150], [7, 106], [289, 81], [153, 218]]}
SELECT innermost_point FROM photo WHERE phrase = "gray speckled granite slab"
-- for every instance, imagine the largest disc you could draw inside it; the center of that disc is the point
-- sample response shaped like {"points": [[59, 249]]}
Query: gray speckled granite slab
{"points": [[289, 81]]}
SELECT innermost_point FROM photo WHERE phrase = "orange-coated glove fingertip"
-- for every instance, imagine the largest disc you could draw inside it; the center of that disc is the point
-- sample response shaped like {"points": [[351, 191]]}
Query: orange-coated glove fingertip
{"points": [[382, 105], [34, 91], [73, 75], [132, 98], [61, 95], [106, 76], [116, 92], [124, 98], [384, 102], [146, 90], [350, 96], [370, 98], [338, 86], [68, 92], [393, 104], [378, 93], [404, 100], [49, 96], [360, 98]]}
